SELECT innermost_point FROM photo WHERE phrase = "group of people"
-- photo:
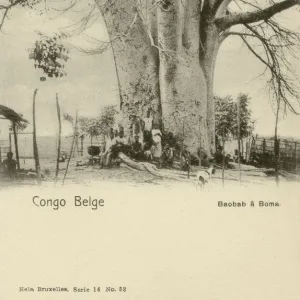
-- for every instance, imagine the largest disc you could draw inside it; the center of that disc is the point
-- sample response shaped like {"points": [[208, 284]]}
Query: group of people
{"points": [[143, 141], [221, 157], [115, 142]]}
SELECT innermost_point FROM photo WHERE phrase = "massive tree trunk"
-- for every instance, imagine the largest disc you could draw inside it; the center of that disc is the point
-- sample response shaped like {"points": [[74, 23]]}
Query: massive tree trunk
{"points": [[137, 62], [182, 81], [165, 56]]}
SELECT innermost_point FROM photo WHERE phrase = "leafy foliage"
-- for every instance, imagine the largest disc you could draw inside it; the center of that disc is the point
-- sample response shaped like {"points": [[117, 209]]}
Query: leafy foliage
{"points": [[226, 117], [26, 3], [50, 55], [68, 118], [107, 117], [20, 126], [246, 123], [88, 126], [95, 126]]}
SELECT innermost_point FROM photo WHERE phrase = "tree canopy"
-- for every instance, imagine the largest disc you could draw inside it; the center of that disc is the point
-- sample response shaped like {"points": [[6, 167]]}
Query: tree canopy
{"points": [[49, 55], [226, 117], [254, 21], [94, 126]]}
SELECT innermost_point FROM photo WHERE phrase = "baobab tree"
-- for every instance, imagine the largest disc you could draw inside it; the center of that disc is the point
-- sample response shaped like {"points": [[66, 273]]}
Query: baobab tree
{"points": [[165, 55]]}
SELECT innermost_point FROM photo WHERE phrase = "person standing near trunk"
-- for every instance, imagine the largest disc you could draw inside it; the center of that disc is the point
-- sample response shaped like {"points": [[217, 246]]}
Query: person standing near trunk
{"points": [[109, 142], [156, 149], [148, 121], [185, 158], [136, 128]]}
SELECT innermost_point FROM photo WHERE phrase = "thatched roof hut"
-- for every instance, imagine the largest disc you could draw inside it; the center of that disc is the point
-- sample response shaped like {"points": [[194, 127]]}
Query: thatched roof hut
{"points": [[10, 114], [15, 118]]}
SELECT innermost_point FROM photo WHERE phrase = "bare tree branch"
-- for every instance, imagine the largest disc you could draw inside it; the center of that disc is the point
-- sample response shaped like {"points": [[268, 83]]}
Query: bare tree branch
{"points": [[102, 46], [252, 17], [160, 48], [276, 43], [6, 9], [220, 7]]}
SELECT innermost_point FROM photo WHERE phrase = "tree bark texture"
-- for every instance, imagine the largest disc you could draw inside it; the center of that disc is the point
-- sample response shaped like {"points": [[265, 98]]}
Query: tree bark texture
{"points": [[157, 54], [137, 62]]}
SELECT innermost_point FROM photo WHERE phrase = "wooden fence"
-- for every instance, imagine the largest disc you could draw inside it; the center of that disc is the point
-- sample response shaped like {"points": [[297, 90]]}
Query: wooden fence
{"points": [[47, 147], [263, 152]]}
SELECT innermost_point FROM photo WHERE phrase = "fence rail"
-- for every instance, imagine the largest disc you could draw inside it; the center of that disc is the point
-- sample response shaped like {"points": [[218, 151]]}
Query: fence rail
{"points": [[47, 146], [263, 153]]}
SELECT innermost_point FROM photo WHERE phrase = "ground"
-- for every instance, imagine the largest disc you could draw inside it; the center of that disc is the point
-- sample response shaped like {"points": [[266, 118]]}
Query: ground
{"points": [[85, 175]]}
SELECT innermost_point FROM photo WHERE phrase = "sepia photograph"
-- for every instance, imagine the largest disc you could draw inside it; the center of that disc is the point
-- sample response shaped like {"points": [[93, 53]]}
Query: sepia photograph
{"points": [[148, 145], [141, 91]]}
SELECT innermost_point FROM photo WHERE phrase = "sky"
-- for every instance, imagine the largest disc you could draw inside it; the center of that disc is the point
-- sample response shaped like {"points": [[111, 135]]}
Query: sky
{"points": [[91, 81]]}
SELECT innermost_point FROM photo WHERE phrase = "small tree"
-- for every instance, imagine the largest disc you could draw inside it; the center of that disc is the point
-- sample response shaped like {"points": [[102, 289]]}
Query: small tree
{"points": [[95, 126], [20, 126], [227, 120], [107, 117], [49, 55], [246, 123], [85, 127], [226, 117], [225, 123]]}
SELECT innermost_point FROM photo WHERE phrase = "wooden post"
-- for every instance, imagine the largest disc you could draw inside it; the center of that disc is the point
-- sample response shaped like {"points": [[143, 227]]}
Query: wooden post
{"points": [[59, 138], [242, 148], [77, 143], [10, 142], [296, 157], [189, 165], [252, 146], [264, 145], [76, 136], [0, 155], [188, 170], [200, 144], [16, 144], [81, 138], [239, 135], [277, 144], [71, 151], [277, 154], [35, 147], [247, 151], [223, 165]]}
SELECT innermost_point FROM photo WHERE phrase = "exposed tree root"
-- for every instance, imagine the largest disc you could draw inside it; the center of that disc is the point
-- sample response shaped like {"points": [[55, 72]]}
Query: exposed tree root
{"points": [[127, 167], [145, 166]]}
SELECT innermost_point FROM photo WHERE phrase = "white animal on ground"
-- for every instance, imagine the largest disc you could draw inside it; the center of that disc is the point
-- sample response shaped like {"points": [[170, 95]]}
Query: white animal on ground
{"points": [[203, 177]]}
